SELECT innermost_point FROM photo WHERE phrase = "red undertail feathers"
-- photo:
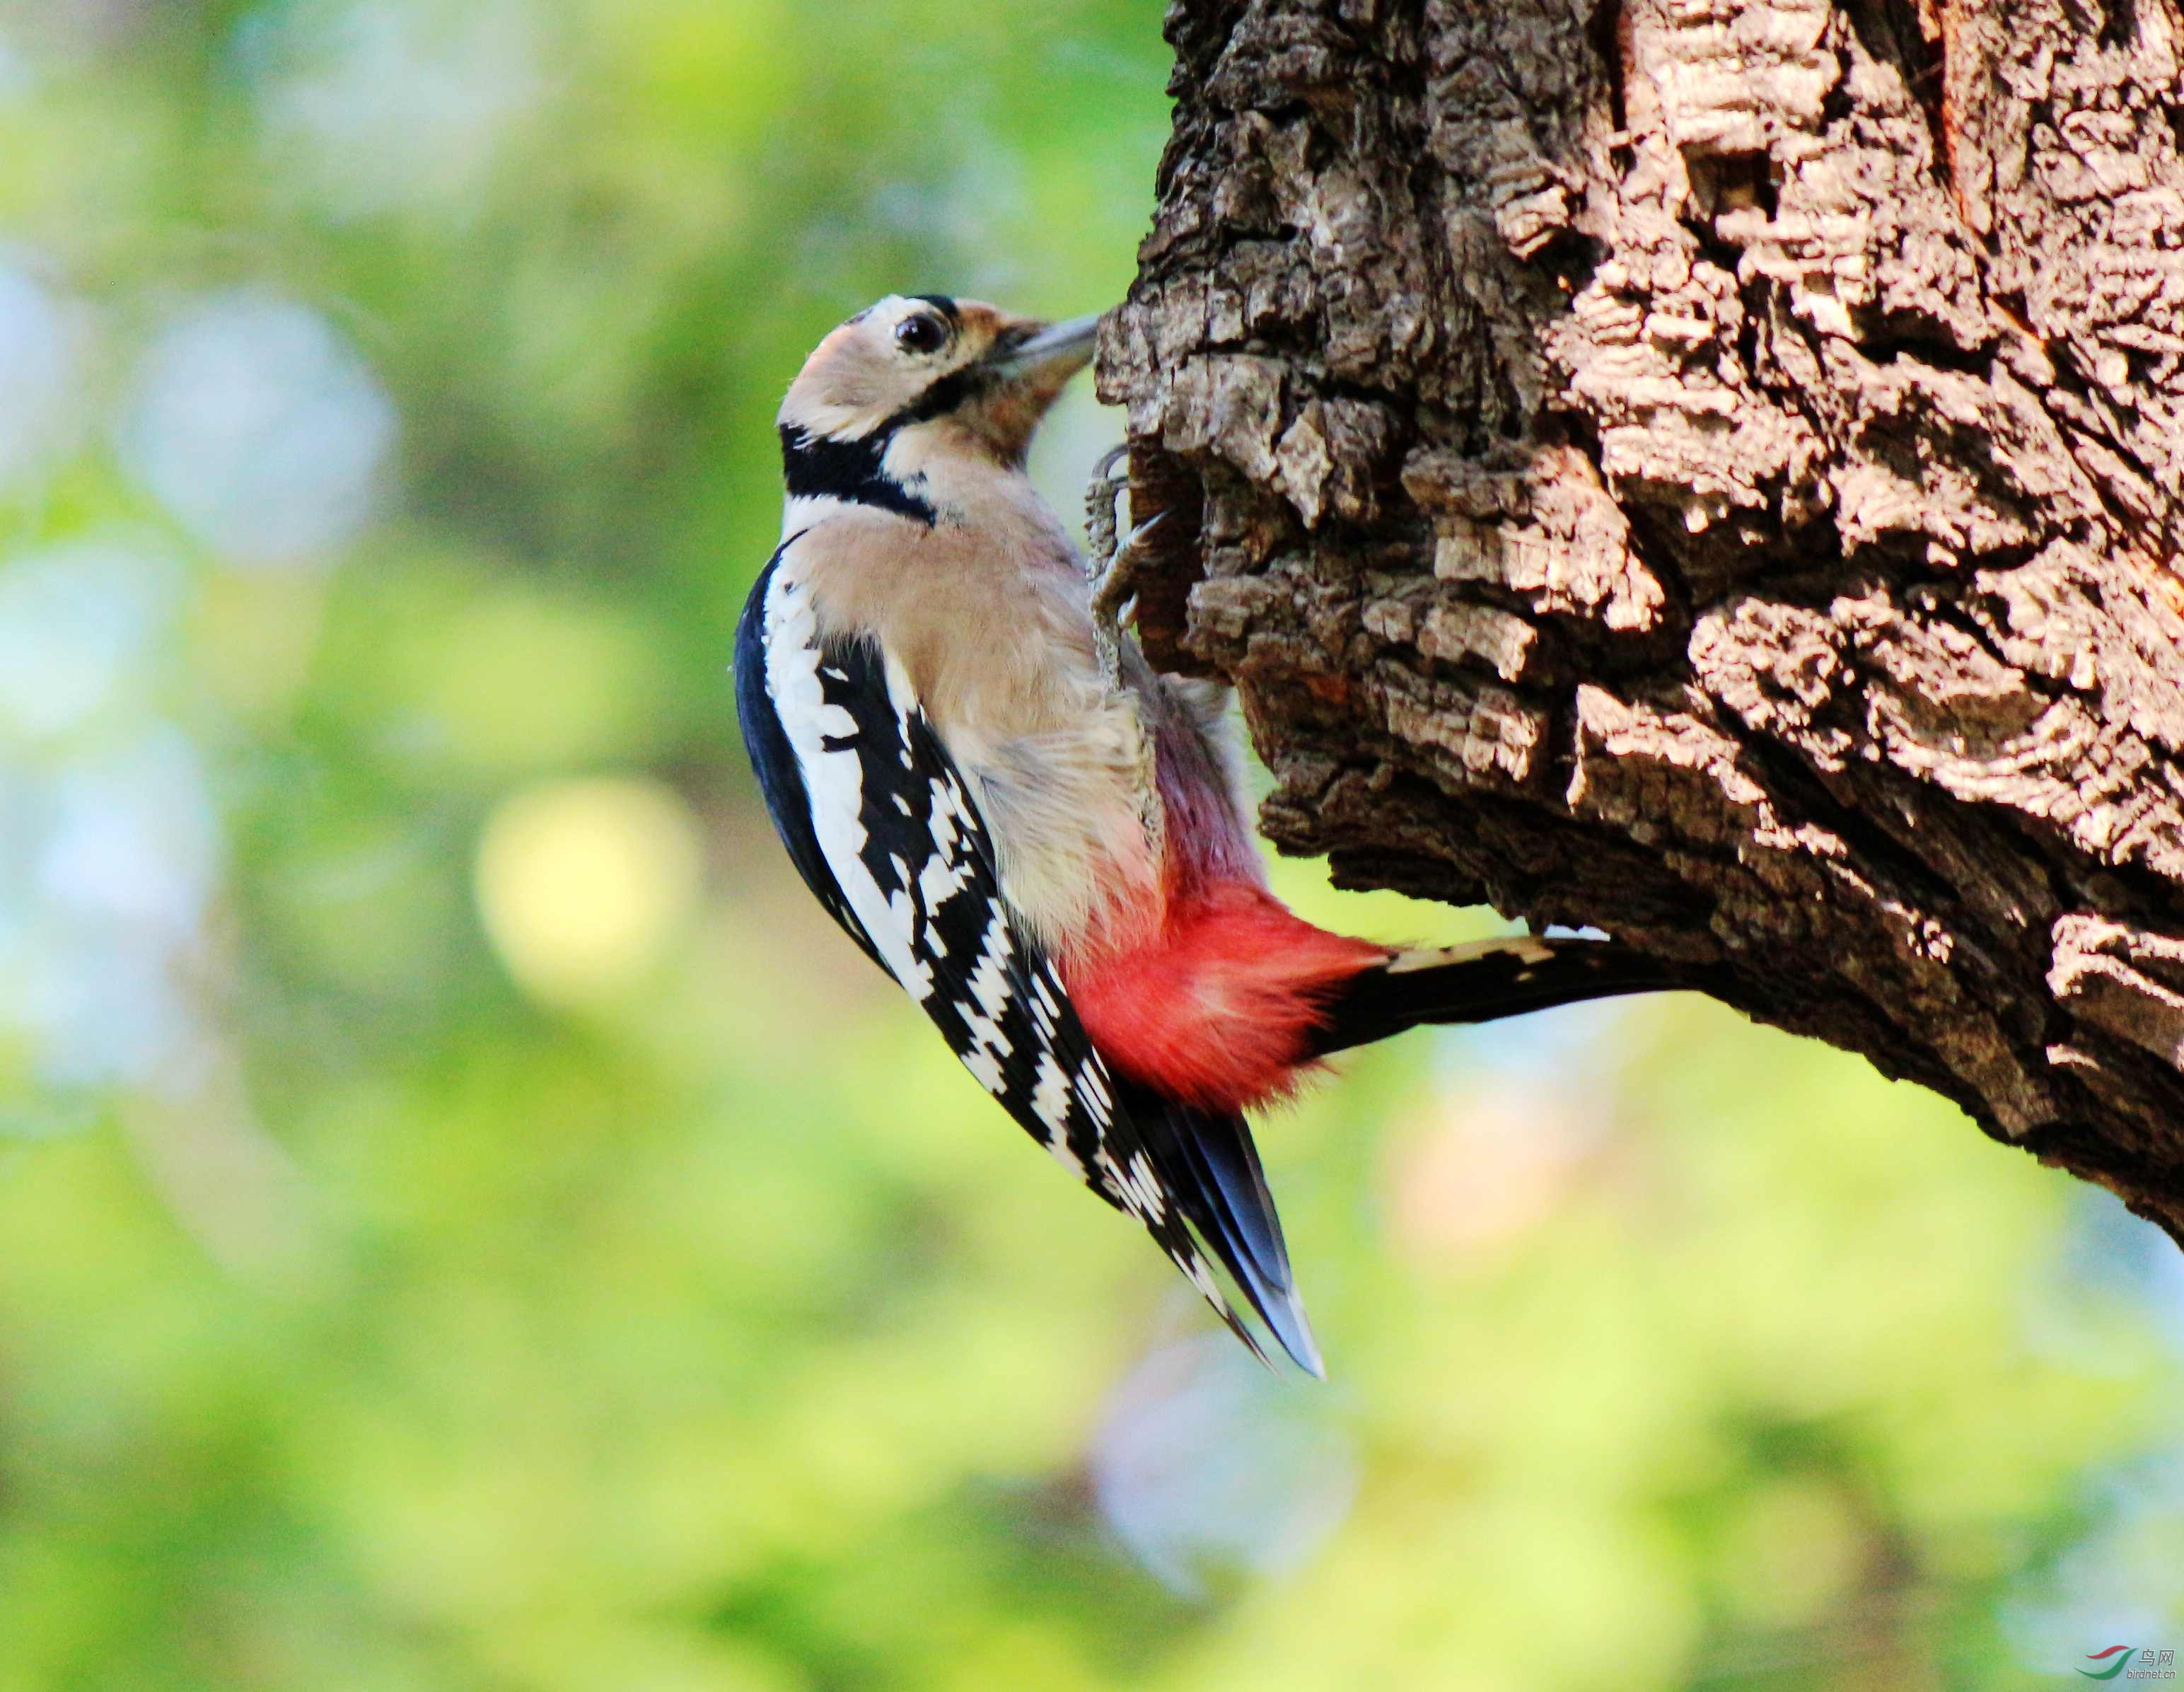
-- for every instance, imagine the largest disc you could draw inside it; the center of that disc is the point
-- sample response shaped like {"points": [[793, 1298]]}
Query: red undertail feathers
{"points": [[1218, 1009]]}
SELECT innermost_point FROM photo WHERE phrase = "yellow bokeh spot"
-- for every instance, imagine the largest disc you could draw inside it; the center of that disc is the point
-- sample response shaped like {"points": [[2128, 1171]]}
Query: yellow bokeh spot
{"points": [[583, 884], [1794, 1549]]}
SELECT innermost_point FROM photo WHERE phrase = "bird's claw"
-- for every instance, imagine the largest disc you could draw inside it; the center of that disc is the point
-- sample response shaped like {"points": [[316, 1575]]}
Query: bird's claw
{"points": [[1119, 584], [1112, 565]]}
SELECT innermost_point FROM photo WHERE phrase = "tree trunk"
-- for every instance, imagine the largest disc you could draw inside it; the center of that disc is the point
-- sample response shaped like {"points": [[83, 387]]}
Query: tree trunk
{"points": [[1709, 470]]}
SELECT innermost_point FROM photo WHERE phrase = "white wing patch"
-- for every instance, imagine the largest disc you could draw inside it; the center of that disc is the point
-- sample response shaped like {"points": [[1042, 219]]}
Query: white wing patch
{"points": [[986, 1004], [1050, 1102], [833, 778], [947, 872]]}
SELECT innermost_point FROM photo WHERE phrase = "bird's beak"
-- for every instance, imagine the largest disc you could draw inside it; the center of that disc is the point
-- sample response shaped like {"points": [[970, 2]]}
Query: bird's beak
{"points": [[1023, 374], [1054, 353]]}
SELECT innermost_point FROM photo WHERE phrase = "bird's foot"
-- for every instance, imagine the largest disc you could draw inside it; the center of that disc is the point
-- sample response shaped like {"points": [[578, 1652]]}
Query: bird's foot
{"points": [[1116, 557]]}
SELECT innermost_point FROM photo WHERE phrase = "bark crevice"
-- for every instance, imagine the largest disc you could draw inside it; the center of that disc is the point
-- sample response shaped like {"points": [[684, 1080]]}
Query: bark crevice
{"points": [[1710, 471]]}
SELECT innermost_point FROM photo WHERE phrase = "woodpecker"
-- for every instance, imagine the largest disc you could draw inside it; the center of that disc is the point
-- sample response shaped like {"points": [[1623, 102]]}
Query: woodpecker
{"points": [[1042, 841]]}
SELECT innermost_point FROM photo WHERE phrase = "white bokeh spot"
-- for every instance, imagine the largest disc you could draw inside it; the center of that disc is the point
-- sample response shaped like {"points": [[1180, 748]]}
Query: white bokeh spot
{"points": [[260, 429]]}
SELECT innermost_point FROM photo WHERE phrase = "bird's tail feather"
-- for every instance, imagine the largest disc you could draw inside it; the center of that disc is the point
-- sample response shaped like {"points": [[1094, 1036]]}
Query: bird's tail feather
{"points": [[1481, 982], [1211, 1171]]}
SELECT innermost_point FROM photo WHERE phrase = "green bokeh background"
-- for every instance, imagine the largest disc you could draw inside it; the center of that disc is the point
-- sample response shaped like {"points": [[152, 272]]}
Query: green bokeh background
{"points": [[466, 1221]]}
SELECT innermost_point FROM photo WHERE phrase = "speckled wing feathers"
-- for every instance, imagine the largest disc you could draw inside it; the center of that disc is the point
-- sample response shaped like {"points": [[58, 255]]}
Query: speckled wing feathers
{"points": [[889, 836]]}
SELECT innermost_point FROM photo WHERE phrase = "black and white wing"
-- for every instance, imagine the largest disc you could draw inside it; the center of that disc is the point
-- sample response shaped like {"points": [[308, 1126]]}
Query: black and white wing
{"points": [[887, 835]]}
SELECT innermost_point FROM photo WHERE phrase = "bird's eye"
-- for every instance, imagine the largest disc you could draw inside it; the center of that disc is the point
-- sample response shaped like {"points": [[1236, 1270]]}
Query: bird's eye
{"points": [[920, 333]]}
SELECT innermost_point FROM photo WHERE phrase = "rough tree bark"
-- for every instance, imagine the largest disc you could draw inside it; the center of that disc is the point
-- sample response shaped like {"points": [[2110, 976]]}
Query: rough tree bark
{"points": [[1709, 470]]}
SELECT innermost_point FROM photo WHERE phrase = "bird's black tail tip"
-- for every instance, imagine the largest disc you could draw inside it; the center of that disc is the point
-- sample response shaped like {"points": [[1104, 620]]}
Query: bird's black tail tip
{"points": [[1294, 1330], [1482, 982]]}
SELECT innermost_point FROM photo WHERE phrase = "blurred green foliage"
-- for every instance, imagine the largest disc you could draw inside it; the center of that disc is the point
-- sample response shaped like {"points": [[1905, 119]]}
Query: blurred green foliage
{"points": [[465, 1220]]}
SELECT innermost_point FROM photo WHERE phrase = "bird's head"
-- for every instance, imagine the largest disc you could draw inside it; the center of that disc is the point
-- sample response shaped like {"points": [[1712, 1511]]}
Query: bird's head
{"points": [[920, 374]]}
